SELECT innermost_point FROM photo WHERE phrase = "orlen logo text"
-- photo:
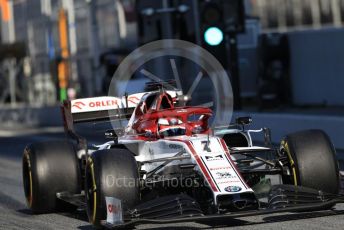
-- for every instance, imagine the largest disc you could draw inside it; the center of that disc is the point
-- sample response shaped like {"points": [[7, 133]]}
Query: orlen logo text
{"points": [[102, 103], [93, 104]]}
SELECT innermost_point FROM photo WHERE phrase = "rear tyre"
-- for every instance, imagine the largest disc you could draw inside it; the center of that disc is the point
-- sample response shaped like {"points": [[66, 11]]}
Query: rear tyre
{"points": [[113, 173], [312, 160], [48, 168]]}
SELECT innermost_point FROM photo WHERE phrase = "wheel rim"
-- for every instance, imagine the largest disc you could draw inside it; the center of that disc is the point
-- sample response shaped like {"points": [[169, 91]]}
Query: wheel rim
{"points": [[292, 165], [27, 178], [91, 193]]}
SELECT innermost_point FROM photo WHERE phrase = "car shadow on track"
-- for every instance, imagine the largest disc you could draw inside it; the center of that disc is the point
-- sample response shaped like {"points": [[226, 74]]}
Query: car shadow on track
{"points": [[86, 227], [273, 219], [27, 212], [78, 215], [303, 215], [209, 224], [265, 219]]}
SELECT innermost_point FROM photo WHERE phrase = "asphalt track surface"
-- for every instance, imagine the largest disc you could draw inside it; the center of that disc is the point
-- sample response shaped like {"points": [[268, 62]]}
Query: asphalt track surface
{"points": [[15, 215]]}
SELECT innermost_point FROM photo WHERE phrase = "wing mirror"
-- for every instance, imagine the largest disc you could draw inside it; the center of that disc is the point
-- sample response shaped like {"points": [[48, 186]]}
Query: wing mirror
{"points": [[114, 134], [243, 120], [110, 134]]}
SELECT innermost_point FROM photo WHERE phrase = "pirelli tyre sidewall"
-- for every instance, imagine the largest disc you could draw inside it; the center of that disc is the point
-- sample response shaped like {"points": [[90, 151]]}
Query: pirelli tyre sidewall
{"points": [[312, 160], [112, 173], [48, 168]]}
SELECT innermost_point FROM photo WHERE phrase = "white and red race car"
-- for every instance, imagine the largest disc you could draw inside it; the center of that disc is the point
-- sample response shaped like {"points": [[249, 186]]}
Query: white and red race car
{"points": [[167, 165]]}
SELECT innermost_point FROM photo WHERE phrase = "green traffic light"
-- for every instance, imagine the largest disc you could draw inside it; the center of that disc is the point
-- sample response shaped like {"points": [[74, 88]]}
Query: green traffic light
{"points": [[213, 36]]}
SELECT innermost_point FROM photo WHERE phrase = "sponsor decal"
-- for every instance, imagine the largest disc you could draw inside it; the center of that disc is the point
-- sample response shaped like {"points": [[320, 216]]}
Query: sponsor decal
{"points": [[228, 182], [219, 168], [102, 103], [113, 209], [224, 175], [94, 104], [114, 213], [233, 189], [214, 158], [133, 99], [78, 105]]}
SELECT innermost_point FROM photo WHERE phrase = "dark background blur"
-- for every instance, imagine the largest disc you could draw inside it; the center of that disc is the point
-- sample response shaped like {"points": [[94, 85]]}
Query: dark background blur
{"points": [[291, 52]]}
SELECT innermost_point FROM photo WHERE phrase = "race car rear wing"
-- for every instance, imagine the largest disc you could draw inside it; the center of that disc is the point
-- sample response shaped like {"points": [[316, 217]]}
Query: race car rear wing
{"points": [[106, 107], [100, 108], [96, 109]]}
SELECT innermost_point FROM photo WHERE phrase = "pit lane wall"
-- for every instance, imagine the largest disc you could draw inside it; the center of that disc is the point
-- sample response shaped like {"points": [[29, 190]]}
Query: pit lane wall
{"points": [[25, 116]]}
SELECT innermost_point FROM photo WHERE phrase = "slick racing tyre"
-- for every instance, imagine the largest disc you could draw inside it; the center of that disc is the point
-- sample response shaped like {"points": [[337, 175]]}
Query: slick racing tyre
{"points": [[312, 159], [112, 173], [48, 168]]}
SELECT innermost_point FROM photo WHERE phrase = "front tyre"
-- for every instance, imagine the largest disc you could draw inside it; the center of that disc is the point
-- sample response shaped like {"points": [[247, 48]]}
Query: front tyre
{"points": [[112, 173], [48, 168], [312, 160]]}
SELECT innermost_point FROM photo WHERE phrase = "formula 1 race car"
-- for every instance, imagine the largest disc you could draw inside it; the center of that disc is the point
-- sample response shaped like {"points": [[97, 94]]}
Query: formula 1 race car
{"points": [[168, 165]]}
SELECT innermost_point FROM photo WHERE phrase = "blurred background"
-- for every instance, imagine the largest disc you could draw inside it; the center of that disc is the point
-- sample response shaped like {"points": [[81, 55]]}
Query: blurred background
{"points": [[285, 57]]}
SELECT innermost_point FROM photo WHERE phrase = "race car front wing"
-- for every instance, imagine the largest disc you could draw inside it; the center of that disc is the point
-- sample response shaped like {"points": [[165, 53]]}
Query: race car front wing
{"points": [[177, 209]]}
